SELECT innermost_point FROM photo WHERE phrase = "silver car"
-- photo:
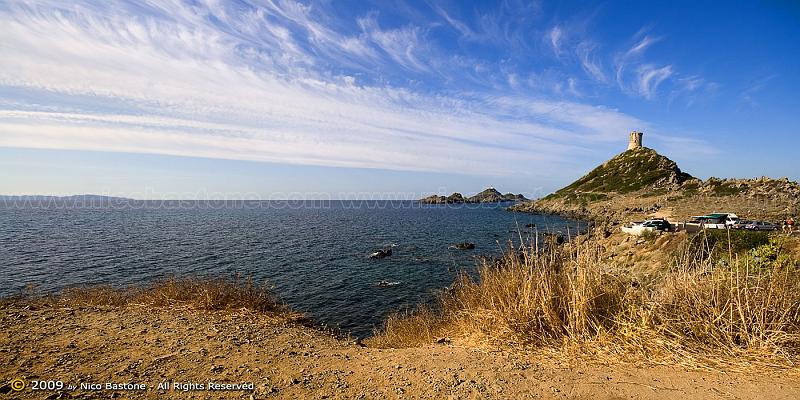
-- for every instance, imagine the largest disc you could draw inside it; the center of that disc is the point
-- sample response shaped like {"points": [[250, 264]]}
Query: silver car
{"points": [[740, 224], [761, 226]]}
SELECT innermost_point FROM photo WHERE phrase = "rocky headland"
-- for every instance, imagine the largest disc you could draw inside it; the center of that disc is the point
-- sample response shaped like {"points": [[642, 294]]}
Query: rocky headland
{"points": [[640, 182]]}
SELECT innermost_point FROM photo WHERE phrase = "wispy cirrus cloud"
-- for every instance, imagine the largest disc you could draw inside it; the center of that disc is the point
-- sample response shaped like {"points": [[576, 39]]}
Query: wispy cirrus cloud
{"points": [[403, 45], [640, 46], [275, 81], [748, 94], [589, 64], [650, 77], [635, 75], [460, 26], [556, 36]]}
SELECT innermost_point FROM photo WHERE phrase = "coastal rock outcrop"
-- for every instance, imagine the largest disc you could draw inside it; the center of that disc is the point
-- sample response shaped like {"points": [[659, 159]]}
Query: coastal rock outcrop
{"points": [[490, 195], [464, 246], [764, 187], [382, 253]]}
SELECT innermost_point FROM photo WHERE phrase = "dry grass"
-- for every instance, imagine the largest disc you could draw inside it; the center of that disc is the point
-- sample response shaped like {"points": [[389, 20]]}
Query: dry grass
{"points": [[197, 293], [701, 311]]}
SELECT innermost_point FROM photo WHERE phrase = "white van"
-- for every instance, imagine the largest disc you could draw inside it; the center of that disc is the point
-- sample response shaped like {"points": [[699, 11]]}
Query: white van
{"points": [[715, 220]]}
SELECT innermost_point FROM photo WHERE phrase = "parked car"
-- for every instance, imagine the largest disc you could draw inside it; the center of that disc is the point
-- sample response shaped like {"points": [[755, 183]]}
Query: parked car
{"points": [[761, 226], [741, 224], [637, 228], [658, 224]]}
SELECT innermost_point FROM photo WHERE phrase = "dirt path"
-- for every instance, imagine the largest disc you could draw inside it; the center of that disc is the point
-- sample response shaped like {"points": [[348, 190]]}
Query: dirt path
{"points": [[283, 360]]}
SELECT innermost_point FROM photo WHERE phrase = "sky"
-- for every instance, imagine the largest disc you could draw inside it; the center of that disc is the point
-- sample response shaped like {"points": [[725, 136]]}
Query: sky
{"points": [[386, 99]]}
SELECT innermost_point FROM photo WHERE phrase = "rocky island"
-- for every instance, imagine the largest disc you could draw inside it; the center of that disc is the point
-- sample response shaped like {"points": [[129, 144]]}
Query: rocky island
{"points": [[490, 195]]}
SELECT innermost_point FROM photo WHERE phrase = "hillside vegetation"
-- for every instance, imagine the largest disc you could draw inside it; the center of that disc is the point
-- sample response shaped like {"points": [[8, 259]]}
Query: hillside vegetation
{"points": [[633, 170]]}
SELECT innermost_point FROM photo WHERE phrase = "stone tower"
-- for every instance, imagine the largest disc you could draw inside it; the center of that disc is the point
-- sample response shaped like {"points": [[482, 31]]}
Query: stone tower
{"points": [[635, 141]]}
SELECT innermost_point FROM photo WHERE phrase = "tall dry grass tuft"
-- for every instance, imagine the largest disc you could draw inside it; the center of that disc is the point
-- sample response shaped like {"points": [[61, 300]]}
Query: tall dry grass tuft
{"points": [[528, 297], [570, 296], [733, 309], [411, 328], [538, 299], [197, 293]]}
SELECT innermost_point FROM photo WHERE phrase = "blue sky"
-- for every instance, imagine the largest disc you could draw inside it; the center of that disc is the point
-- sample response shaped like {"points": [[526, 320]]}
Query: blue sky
{"points": [[274, 99]]}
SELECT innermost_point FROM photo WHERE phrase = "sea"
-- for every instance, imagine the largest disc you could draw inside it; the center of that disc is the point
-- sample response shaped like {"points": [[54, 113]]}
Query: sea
{"points": [[313, 254]]}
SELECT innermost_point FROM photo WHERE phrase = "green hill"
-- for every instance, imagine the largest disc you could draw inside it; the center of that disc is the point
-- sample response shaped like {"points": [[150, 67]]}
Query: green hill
{"points": [[630, 171]]}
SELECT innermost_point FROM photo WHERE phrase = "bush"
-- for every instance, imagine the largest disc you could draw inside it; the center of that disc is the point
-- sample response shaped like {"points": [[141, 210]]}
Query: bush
{"points": [[649, 235], [198, 293], [713, 243], [770, 254]]}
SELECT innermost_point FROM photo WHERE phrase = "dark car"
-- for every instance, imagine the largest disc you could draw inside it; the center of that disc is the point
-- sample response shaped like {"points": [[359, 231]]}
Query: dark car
{"points": [[761, 226], [658, 224]]}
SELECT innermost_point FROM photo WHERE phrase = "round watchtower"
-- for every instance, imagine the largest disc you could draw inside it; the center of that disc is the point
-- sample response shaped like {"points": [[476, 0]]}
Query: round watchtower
{"points": [[635, 141]]}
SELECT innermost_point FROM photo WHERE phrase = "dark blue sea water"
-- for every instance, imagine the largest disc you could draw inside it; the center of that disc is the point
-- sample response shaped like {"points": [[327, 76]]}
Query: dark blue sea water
{"points": [[315, 254]]}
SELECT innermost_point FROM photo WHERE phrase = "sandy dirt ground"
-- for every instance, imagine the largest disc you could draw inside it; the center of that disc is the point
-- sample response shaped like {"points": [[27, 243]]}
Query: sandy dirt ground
{"points": [[284, 360]]}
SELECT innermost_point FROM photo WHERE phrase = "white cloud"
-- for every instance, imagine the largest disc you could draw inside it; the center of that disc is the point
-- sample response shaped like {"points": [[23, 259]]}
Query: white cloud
{"points": [[641, 46], [465, 31], [555, 40], [589, 65], [402, 44], [748, 95], [213, 81], [572, 84], [649, 77], [637, 77]]}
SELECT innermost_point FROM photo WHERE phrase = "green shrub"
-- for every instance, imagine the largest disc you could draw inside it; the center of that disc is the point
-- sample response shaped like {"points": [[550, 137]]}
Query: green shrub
{"points": [[716, 242], [723, 189], [584, 198], [649, 235], [769, 254]]}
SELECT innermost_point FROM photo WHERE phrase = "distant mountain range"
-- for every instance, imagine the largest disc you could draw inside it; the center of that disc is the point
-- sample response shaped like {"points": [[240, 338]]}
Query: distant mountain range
{"points": [[490, 195], [77, 197]]}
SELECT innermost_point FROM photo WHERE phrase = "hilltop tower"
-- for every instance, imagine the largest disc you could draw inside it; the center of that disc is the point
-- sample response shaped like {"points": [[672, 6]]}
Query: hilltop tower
{"points": [[635, 140]]}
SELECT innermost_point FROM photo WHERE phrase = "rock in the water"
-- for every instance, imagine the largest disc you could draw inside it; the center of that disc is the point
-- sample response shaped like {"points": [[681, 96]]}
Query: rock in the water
{"points": [[465, 246], [381, 253]]}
